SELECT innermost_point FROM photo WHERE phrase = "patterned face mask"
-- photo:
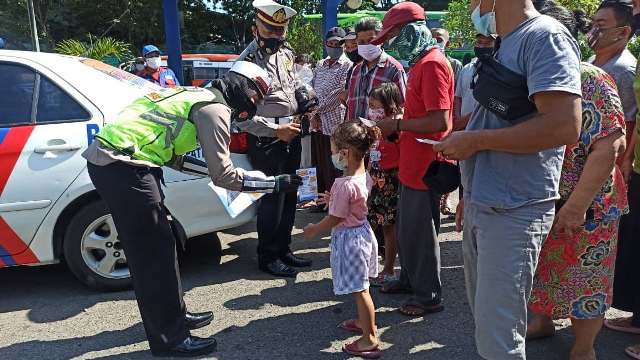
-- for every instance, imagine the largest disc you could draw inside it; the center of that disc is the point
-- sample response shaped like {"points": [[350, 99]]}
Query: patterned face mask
{"points": [[413, 41]]}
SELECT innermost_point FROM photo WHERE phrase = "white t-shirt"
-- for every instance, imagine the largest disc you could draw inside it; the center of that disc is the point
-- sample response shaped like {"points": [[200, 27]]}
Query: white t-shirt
{"points": [[463, 88]]}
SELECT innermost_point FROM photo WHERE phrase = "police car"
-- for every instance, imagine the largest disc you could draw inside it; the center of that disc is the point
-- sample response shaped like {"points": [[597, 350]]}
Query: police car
{"points": [[51, 106]]}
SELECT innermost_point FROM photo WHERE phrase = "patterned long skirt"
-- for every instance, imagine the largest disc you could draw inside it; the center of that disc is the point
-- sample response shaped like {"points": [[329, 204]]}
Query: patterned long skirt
{"points": [[575, 273]]}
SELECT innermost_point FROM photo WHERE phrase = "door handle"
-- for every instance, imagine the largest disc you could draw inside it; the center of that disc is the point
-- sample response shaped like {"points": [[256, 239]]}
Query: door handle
{"points": [[56, 148]]}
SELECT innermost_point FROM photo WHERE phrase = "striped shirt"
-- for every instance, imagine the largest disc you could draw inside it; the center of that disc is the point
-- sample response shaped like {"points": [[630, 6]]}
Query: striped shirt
{"points": [[328, 82], [363, 81]]}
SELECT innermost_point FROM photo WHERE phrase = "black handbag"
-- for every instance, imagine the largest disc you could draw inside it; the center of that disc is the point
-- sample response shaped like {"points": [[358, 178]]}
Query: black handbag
{"points": [[501, 90], [442, 177]]}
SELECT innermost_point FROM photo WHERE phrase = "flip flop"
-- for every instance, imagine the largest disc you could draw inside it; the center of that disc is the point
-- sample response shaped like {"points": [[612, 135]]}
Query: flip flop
{"points": [[421, 309], [350, 325], [394, 287], [352, 349], [633, 351], [622, 325]]}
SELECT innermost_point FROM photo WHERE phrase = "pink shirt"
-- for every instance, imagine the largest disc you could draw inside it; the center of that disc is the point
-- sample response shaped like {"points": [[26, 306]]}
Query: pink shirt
{"points": [[349, 199]]}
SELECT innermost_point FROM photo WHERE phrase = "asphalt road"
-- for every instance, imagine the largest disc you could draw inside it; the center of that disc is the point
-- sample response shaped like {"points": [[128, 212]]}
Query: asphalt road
{"points": [[46, 314]]}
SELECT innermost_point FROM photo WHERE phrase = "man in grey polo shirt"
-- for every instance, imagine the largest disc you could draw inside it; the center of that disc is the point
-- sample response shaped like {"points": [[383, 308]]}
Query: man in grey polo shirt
{"points": [[511, 171]]}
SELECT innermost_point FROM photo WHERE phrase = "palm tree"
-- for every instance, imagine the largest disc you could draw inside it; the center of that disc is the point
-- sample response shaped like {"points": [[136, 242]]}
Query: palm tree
{"points": [[103, 49]]}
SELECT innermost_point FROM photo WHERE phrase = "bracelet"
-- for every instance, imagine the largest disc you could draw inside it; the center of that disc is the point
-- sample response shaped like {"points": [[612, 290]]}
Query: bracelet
{"points": [[398, 125]]}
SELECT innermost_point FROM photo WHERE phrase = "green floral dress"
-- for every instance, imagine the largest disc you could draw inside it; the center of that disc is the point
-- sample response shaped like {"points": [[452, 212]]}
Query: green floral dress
{"points": [[574, 277]]}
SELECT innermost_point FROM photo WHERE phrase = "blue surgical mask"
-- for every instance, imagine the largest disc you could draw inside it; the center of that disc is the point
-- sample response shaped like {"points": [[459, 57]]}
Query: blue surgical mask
{"points": [[484, 24], [334, 53], [338, 161]]}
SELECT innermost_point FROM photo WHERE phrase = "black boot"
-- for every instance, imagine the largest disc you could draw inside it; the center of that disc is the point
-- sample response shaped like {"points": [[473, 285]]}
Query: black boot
{"points": [[278, 268], [295, 261], [191, 346], [198, 320]]}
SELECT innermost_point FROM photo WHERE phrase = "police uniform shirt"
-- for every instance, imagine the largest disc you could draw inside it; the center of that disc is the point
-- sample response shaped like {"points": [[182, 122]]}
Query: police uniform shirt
{"points": [[281, 100], [211, 120]]}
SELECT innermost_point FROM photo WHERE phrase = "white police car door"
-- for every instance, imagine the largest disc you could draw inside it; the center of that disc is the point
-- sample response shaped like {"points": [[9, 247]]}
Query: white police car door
{"points": [[45, 124]]}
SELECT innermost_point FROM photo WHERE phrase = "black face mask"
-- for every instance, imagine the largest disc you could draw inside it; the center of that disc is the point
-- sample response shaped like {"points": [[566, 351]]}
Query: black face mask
{"points": [[354, 56], [480, 52], [636, 23], [269, 45]]}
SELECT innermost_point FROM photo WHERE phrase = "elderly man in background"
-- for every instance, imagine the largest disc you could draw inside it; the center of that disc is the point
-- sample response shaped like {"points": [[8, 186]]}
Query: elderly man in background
{"points": [[328, 82]]}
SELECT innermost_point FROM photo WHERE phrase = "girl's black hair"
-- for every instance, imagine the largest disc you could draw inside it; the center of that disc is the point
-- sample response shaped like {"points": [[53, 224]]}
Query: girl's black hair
{"points": [[354, 135], [389, 96]]}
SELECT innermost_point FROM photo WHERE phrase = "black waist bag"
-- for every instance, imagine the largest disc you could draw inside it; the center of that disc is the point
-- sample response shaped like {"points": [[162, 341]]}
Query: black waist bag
{"points": [[501, 90]]}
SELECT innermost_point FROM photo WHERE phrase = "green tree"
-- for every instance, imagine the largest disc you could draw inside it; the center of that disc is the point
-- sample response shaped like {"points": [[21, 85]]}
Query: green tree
{"points": [[96, 48], [458, 22]]}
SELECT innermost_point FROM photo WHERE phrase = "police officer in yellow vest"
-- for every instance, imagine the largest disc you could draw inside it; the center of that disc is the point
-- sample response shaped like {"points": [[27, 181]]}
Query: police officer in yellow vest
{"points": [[276, 212], [125, 164]]}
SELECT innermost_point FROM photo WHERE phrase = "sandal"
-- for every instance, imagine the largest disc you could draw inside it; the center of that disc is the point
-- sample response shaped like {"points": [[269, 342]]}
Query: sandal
{"points": [[381, 280], [394, 287], [622, 325], [633, 351], [417, 310], [352, 349], [350, 325]]}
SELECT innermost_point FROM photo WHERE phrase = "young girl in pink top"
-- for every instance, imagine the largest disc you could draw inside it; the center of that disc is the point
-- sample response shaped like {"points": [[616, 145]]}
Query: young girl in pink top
{"points": [[354, 249]]}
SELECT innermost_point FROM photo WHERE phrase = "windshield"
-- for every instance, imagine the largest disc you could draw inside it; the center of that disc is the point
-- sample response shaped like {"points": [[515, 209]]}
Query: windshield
{"points": [[121, 75]]}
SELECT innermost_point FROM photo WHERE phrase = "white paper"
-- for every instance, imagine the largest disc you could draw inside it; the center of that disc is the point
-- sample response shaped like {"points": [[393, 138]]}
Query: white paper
{"points": [[309, 189], [235, 202], [428, 141], [367, 122]]}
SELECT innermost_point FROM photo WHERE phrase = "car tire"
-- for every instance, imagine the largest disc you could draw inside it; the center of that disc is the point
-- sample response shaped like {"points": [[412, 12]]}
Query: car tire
{"points": [[92, 251]]}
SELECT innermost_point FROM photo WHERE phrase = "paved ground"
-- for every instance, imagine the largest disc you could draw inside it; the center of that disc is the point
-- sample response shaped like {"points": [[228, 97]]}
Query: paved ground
{"points": [[46, 314]]}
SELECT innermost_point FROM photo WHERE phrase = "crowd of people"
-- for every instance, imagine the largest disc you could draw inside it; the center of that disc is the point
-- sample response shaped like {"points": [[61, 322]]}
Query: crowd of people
{"points": [[547, 161], [540, 141]]}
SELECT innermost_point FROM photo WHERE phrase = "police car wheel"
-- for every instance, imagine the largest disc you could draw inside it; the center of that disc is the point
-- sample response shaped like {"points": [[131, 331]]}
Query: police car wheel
{"points": [[93, 251]]}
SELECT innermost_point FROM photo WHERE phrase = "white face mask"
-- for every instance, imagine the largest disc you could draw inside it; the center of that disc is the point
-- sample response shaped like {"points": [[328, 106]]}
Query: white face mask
{"points": [[484, 24], [153, 62], [442, 46], [369, 52], [339, 161]]}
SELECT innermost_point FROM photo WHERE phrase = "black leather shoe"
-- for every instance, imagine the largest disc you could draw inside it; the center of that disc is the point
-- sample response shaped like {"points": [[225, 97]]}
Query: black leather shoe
{"points": [[278, 268], [191, 346], [198, 320], [295, 261]]}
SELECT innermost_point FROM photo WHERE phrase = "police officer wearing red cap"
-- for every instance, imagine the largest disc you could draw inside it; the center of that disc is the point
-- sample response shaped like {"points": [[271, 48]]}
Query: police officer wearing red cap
{"points": [[276, 148]]}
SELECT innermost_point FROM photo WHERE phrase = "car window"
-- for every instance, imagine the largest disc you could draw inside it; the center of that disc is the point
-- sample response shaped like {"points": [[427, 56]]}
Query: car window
{"points": [[55, 105], [16, 86]]}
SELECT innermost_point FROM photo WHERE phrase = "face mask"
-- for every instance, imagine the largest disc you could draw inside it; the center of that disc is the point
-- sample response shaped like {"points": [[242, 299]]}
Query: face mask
{"points": [[441, 46], [354, 56], [334, 53], [138, 67], [376, 114], [269, 45], [338, 161], [369, 52], [153, 62], [484, 24], [482, 51], [601, 38]]}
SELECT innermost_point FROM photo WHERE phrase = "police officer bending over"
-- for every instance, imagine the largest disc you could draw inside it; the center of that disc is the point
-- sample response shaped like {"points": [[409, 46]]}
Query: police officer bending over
{"points": [[125, 163], [287, 100]]}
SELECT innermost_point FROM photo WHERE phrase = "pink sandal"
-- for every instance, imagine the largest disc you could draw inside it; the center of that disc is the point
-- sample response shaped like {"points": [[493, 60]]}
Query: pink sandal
{"points": [[352, 349], [350, 325]]}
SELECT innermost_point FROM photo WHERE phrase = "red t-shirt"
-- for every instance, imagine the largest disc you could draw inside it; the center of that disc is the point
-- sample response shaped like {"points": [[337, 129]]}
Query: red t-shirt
{"points": [[430, 87]]}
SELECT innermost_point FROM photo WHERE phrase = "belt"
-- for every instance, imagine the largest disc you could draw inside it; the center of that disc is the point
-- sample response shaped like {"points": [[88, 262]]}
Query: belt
{"points": [[281, 120]]}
